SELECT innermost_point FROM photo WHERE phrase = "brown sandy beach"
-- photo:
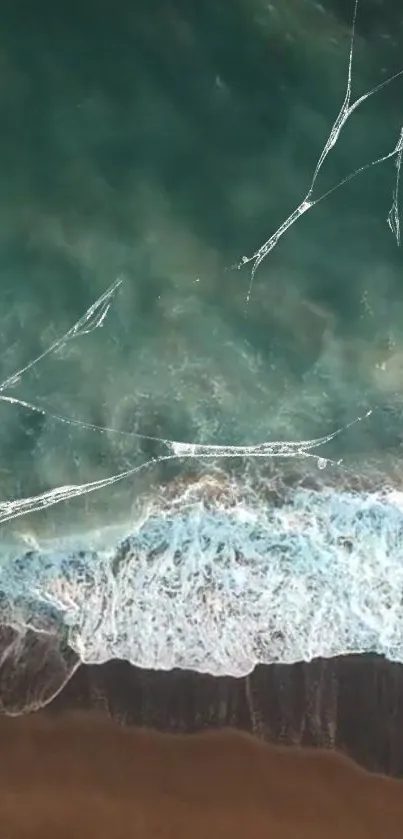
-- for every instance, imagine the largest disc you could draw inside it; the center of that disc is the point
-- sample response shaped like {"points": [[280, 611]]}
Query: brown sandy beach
{"points": [[77, 775], [122, 752]]}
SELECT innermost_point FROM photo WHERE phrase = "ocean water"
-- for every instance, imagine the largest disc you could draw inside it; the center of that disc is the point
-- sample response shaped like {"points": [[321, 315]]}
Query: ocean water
{"points": [[201, 312]]}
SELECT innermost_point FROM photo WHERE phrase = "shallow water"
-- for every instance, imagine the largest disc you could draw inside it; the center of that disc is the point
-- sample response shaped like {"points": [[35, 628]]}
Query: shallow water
{"points": [[149, 155]]}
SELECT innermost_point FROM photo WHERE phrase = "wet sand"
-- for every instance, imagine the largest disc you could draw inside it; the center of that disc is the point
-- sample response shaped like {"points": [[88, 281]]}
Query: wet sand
{"points": [[76, 775]]}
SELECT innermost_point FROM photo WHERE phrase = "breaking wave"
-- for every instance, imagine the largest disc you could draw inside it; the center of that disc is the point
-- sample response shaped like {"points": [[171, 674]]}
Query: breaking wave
{"points": [[218, 579]]}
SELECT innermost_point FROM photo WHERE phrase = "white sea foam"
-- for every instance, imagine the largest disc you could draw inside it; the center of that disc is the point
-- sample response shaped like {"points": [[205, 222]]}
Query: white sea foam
{"points": [[216, 583]]}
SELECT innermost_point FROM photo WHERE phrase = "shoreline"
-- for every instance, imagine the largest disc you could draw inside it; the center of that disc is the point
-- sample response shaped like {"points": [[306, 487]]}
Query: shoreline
{"points": [[81, 774], [352, 704]]}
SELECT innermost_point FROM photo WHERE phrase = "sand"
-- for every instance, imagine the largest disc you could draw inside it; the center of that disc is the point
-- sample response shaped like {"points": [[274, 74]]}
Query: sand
{"points": [[76, 775]]}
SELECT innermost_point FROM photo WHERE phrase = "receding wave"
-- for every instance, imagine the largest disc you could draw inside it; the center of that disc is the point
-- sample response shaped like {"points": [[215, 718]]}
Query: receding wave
{"points": [[217, 577]]}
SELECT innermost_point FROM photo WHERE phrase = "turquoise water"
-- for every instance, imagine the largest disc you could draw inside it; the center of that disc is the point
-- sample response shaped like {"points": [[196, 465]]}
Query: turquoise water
{"points": [[147, 156]]}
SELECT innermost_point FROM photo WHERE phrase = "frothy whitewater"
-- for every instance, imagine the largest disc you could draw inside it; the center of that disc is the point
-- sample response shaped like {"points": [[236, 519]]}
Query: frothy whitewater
{"points": [[220, 580]]}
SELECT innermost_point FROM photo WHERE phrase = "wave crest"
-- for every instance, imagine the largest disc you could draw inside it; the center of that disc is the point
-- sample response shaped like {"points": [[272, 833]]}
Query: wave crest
{"points": [[215, 581]]}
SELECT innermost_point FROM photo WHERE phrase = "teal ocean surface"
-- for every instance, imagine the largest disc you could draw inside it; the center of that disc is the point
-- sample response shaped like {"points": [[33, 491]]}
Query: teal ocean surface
{"points": [[201, 330]]}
